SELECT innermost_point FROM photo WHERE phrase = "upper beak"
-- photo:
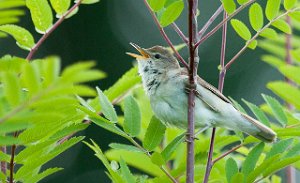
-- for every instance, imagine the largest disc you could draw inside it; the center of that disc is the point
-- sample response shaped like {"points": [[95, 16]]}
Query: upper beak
{"points": [[143, 52]]}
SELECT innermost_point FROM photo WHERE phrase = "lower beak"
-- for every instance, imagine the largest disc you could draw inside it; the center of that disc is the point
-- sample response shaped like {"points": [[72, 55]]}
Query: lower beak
{"points": [[143, 52]]}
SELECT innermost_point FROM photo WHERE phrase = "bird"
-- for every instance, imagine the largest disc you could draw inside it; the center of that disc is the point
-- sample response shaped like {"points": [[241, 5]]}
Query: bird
{"points": [[166, 84]]}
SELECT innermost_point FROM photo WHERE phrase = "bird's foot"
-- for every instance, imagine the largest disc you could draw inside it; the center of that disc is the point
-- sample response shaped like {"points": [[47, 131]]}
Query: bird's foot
{"points": [[189, 138], [190, 88]]}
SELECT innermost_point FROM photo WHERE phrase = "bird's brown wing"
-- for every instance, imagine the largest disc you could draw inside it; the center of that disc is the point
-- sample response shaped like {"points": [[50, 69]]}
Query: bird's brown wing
{"points": [[208, 87]]}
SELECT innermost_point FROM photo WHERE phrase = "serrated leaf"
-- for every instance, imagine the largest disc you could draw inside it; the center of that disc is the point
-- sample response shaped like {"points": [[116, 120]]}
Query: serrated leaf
{"points": [[282, 25], [31, 78], [106, 107], [258, 113], [41, 14], [154, 134], [269, 33], [231, 168], [171, 13], [23, 37], [279, 147], [172, 146], [157, 159], [90, 1], [156, 5], [241, 29], [125, 147], [276, 109], [44, 174], [126, 174], [51, 69], [60, 6], [252, 158], [288, 4], [252, 44], [272, 9], [229, 6], [132, 117], [12, 88], [291, 72], [256, 16]]}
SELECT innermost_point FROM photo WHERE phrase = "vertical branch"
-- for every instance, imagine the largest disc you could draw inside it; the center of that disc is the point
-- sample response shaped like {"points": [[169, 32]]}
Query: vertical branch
{"points": [[290, 171], [194, 60], [222, 74], [3, 165], [12, 160]]}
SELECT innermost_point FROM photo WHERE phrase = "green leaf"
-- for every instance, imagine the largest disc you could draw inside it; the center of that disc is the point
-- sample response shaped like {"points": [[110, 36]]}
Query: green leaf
{"points": [[154, 134], [239, 177], [13, 127], [231, 168], [31, 78], [252, 158], [296, 54], [12, 88], [288, 132], [237, 105], [291, 72], [272, 9], [241, 29], [156, 5], [276, 109], [51, 69], [171, 13], [44, 174], [9, 140], [279, 147], [23, 37], [41, 14], [252, 44], [262, 167], [229, 6], [157, 159], [106, 107], [126, 174], [295, 15], [241, 2], [289, 4], [60, 6], [282, 25], [273, 60], [269, 33], [256, 16], [125, 147], [294, 151], [108, 126], [172, 146], [89, 1], [258, 113], [132, 117]]}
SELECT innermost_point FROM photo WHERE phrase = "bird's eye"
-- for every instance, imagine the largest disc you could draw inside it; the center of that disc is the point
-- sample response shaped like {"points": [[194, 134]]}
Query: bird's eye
{"points": [[157, 56]]}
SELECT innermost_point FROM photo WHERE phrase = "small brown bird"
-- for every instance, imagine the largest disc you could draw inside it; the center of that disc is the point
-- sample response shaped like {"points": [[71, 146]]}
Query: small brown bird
{"points": [[165, 82]]}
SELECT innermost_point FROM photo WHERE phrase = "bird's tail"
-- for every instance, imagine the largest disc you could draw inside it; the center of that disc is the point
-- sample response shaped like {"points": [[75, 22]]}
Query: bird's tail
{"points": [[264, 133]]}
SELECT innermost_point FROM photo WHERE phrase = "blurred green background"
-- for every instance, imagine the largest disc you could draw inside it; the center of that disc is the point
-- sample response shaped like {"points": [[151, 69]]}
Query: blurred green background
{"points": [[102, 32]]}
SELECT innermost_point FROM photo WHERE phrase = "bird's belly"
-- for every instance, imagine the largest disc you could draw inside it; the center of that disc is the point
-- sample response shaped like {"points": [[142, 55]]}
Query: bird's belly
{"points": [[172, 109]]}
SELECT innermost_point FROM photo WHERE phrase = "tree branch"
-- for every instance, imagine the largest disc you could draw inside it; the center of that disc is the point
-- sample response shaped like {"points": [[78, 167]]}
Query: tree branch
{"points": [[46, 35], [223, 22], [165, 36], [180, 33], [210, 21], [222, 74], [226, 153], [194, 60]]}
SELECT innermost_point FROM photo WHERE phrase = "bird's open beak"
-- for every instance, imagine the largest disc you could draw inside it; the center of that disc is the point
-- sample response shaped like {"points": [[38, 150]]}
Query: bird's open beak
{"points": [[143, 52]]}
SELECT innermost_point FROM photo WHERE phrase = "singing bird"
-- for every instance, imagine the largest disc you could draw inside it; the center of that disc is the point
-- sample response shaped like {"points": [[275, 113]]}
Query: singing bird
{"points": [[165, 82]]}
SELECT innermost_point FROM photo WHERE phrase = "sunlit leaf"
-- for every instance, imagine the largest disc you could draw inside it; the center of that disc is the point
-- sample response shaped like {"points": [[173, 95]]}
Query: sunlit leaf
{"points": [[229, 6], [156, 5], [132, 117], [282, 25], [154, 134], [269, 33], [272, 9], [258, 113], [106, 107], [288, 4], [60, 6], [276, 108], [241, 29], [256, 16], [171, 13]]}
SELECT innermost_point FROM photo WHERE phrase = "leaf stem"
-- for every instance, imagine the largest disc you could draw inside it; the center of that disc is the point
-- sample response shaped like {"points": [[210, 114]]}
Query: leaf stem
{"points": [[226, 153], [210, 21], [194, 61], [180, 33], [12, 160], [165, 36], [222, 75], [46, 35], [223, 22], [256, 35]]}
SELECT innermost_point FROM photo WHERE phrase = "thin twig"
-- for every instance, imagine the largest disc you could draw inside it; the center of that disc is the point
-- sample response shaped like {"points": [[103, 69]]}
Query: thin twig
{"points": [[3, 164], [180, 33], [256, 35], [222, 74], [223, 22], [210, 21], [12, 160], [194, 61], [46, 35], [290, 170], [226, 153], [165, 36]]}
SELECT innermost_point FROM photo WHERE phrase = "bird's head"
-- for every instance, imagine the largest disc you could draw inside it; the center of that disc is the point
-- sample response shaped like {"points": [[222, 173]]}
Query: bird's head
{"points": [[156, 57]]}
